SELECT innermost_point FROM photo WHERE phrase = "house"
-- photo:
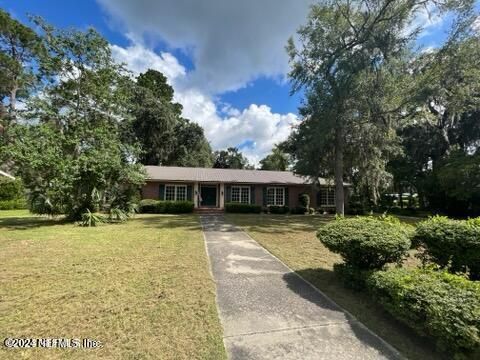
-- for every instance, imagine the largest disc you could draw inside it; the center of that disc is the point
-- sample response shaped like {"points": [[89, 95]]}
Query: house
{"points": [[213, 188]]}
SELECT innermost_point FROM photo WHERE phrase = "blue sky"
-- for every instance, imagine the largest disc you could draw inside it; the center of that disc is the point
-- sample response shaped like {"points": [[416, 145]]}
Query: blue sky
{"points": [[226, 60]]}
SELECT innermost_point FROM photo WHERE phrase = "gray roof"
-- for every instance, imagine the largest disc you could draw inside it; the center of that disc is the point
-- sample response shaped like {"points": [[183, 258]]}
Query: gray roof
{"points": [[173, 173]]}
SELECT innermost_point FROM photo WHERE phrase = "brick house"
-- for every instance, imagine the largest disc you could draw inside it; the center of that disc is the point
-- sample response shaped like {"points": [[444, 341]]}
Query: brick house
{"points": [[212, 188]]}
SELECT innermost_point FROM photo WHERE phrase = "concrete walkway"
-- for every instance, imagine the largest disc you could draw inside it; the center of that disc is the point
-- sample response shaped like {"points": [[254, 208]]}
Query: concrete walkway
{"points": [[269, 312]]}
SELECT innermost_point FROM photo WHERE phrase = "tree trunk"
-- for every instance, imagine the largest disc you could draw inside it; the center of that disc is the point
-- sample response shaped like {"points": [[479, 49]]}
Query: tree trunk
{"points": [[339, 191]]}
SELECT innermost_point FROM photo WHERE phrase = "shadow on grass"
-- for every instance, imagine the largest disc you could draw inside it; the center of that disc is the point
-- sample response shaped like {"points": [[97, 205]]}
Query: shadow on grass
{"points": [[279, 224], [185, 221], [368, 312], [29, 222]]}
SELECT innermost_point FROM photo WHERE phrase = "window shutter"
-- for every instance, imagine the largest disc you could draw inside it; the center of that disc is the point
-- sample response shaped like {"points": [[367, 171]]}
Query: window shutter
{"points": [[252, 194], [189, 192], [286, 197], [161, 192], [228, 194], [264, 196]]}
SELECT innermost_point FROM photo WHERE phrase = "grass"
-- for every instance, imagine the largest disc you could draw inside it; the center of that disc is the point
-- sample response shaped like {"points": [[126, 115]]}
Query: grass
{"points": [[142, 288], [292, 239]]}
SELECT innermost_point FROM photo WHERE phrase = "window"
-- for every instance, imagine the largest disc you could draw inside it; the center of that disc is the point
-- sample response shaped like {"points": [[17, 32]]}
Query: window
{"points": [[241, 194], [176, 192], [276, 196], [327, 197]]}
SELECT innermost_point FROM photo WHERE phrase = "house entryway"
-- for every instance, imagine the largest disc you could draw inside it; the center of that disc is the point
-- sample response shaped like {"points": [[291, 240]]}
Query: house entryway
{"points": [[208, 196]]}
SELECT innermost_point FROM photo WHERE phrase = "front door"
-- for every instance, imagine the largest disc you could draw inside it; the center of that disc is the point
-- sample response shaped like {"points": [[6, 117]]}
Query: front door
{"points": [[208, 196]]}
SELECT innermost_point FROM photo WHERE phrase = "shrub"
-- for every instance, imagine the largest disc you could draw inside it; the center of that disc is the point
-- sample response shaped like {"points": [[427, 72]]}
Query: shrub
{"points": [[90, 219], [366, 242], [13, 204], [278, 209], [151, 206], [451, 243], [299, 210], [435, 303], [174, 207], [243, 208], [117, 215], [11, 189], [304, 200], [147, 206]]}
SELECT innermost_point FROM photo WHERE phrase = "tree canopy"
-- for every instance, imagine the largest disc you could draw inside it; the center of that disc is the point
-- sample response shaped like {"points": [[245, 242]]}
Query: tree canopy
{"points": [[230, 158]]}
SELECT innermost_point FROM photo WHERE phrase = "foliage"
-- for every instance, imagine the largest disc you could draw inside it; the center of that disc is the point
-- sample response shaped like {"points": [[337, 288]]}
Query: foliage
{"points": [[117, 215], [11, 189], [231, 158], [454, 244], [366, 242], [19, 49], [147, 206], [165, 207], [434, 303], [278, 209], [165, 137], [242, 208], [304, 200], [90, 219], [13, 204], [278, 160], [300, 210], [70, 149]]}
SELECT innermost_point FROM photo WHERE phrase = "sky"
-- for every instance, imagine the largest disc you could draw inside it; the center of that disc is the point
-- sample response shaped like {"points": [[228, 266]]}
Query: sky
{"points": [[225, 59]]}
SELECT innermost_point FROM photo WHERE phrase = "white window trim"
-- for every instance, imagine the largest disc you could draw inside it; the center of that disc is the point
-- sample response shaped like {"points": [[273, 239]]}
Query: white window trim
{"points": [[275, 195], [175, 196], [240, 194], [327, 189]]}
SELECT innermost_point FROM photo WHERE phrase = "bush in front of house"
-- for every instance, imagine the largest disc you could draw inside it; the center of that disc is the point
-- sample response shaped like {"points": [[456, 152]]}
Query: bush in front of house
{"points": [[151, 206], [451, 243], [434, 303], [147, 206], [175, 207], [278, 209], [13, 204], [299, 210], [243, 208], [304, 200], [366, 242]]}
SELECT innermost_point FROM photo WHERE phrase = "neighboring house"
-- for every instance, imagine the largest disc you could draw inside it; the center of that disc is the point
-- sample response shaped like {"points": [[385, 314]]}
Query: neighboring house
{"points": [[212, 188]]}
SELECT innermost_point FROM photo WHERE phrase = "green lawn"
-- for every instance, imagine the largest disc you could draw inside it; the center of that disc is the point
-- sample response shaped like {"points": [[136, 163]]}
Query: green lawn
{"points": [[142, 288], [293, 240]]}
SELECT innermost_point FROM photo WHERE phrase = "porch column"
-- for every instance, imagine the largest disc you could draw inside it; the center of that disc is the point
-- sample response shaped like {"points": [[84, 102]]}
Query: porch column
{"points": [[222, 195], [196, 190]]}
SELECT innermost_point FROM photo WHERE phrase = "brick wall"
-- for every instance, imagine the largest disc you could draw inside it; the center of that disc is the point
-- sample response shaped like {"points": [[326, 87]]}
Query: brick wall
{"points": [[150, 190]]}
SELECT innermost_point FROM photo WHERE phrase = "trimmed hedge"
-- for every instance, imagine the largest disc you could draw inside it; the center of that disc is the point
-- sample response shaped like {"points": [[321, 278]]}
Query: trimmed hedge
{"points": [[366, 242], [11, 189], [13, 204], [434, 303], [150, 206], [243, 208], [278, 209], [451, 243], [299, 210]]}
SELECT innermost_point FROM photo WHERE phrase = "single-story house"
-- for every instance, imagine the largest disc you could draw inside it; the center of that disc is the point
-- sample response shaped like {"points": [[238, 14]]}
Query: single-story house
{"points": [[213, 188]]}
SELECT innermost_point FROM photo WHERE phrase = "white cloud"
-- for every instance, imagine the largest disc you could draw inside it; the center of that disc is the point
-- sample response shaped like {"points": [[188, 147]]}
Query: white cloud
{"points": [[224, 125], [138, 58], [231, 42]]}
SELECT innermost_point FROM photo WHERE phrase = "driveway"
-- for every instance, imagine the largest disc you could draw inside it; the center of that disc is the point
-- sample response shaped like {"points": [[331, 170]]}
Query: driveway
{"points": [[269, 312]]}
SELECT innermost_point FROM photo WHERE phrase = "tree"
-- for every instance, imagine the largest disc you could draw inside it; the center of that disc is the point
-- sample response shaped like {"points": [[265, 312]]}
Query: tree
{"points": [[68, 150], [165, 136], [277, 160], [19, 48], [349, 50], [231, 158]]}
